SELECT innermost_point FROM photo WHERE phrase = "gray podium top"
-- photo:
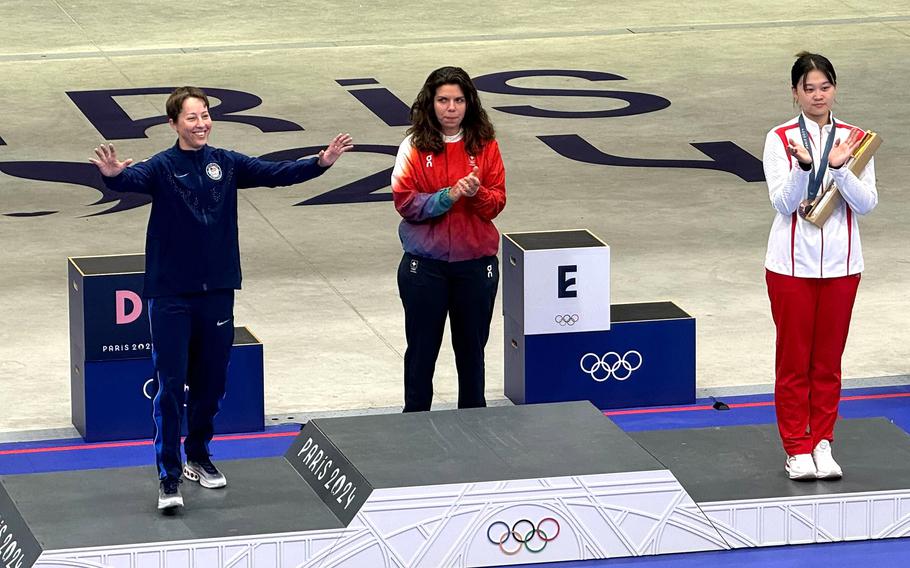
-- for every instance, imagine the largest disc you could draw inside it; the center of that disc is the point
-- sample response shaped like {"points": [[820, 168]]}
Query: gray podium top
{"points": [[544, 240], [485, 444], [113, 264], [646, 311], [747, 462], [109, 507], [243, 336]]}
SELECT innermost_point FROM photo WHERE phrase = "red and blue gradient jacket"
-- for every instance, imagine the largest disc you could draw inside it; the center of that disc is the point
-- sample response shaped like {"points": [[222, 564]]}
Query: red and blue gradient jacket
{"points": [[191, 244], [434, 227]]}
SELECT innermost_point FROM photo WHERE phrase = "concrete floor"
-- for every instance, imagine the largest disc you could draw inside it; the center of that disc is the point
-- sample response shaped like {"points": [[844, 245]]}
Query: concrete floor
{"points": [[319, 287]]}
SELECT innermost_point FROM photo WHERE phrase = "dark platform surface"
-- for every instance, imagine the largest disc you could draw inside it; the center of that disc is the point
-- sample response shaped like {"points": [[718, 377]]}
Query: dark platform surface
{"points": [[646, 311], [243, 336], [485, 444], [555, 240], [118, 506], [747, 462], [114, 264]]}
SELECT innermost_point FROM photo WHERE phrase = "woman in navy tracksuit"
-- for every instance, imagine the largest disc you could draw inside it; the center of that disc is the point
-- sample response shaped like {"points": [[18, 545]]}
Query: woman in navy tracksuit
{"points": [[192, 269]]}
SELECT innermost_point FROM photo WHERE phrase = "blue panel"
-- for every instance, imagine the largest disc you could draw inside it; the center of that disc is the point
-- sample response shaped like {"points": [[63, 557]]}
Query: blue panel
{"points": [[642, 363], [115, 408], [118, 395]]}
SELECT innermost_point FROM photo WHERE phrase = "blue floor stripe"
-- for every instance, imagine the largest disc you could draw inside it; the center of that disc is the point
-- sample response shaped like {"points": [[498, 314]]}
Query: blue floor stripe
{"points": [[895, 409], [129, 456]]}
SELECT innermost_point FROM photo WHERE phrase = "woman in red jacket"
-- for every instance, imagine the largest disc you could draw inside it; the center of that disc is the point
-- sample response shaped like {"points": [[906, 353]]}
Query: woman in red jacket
{"points": [[448, 185]]}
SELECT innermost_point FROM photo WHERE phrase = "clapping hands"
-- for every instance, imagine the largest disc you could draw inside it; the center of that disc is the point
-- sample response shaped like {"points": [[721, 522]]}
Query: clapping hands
{"points": [[843, 150], [466, 186], [838, 156], [799, 152]]}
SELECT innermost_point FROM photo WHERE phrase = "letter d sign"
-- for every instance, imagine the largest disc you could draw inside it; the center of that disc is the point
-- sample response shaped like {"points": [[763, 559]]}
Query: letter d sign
{"points": [[564, 282], [121, 297]]}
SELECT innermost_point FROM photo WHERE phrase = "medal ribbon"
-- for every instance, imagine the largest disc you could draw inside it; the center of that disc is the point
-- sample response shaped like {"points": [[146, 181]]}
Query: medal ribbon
{"points": [[816, 177]]}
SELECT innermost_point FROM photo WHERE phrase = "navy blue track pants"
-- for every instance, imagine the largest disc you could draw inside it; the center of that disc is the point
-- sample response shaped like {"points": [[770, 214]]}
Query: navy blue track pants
{"points": [[430, 290], [192, 336]]}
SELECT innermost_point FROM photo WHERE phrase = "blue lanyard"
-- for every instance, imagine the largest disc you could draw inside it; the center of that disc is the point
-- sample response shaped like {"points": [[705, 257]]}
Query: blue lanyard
{"points": [[816, 177]]}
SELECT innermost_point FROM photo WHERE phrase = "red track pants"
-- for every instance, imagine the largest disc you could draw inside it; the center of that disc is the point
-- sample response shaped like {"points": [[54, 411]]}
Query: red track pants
{"points": [[812, 317]]}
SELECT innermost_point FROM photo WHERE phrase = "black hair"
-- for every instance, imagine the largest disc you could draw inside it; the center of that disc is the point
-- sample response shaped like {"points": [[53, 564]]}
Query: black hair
{"points": [[806, 62]]}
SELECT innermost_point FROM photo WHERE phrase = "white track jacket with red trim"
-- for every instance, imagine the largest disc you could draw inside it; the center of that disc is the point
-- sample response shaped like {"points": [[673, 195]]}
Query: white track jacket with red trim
{"points": [[796, 247]]}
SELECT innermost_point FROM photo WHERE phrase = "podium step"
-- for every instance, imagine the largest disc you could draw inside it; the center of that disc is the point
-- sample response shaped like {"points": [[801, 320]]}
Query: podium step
{"points": [[480, 487], [736, 475], [117, 507]]}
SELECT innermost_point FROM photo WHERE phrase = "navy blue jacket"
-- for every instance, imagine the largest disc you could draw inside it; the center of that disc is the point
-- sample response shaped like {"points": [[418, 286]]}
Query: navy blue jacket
{"points": [[191, 243]]}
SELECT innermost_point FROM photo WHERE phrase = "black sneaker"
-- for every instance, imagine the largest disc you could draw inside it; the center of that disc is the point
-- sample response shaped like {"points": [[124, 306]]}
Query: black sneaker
{"points": [[205, 472], [169, 496]]}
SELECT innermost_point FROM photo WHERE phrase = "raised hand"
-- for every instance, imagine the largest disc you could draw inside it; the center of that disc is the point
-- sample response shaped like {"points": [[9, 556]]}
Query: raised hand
{"points": [[799, 152], [338, 146], [107, 161], [842, 151]]}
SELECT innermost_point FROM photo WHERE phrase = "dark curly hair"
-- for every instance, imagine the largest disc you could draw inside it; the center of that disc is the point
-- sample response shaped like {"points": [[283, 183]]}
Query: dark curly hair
{"points": [[425, 128]]}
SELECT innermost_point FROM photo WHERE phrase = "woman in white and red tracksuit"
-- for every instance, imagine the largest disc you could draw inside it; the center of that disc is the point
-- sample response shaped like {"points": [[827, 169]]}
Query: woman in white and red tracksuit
{"points": [[812, 273], [448, 185]]}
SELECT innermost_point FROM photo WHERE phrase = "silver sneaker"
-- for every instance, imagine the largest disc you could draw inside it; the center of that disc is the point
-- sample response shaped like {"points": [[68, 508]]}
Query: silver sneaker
{"points": [[205, 473], [826, 467], [801, 466], [169, 496]]}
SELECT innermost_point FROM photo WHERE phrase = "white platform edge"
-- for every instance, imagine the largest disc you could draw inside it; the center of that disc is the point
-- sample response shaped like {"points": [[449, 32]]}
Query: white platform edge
{"points": [[600, 516], [811, 519]]}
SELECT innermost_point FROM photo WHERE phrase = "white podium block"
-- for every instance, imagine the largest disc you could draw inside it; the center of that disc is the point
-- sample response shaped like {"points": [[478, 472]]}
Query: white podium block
{"points": [[556, 281]]}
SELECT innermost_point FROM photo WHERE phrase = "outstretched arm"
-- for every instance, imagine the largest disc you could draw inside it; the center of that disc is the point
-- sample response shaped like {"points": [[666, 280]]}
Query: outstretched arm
{"points": [[118, 176], [107, 161], [255, 172], [338, 146]]}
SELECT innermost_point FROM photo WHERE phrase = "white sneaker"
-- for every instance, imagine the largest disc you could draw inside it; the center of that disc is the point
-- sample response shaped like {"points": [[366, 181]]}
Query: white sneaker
{"points": [[169, 496], [801, 466], [826, 467]]}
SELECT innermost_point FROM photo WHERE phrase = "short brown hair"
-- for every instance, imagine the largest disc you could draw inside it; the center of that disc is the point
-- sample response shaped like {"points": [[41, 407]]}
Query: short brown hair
{"points": [[174, 102]]}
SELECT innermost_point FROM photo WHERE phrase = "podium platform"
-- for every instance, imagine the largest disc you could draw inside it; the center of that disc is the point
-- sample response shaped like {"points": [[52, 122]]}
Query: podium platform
{"points": [[112, 378], [443, 488], [437, 488], [736, 475]]}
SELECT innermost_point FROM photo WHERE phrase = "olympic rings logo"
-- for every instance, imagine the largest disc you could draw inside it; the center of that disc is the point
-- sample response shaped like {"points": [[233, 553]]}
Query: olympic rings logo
{"points": [[610, 364], [145, 388], [524, 539], [566, 319], [147, 384]]}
